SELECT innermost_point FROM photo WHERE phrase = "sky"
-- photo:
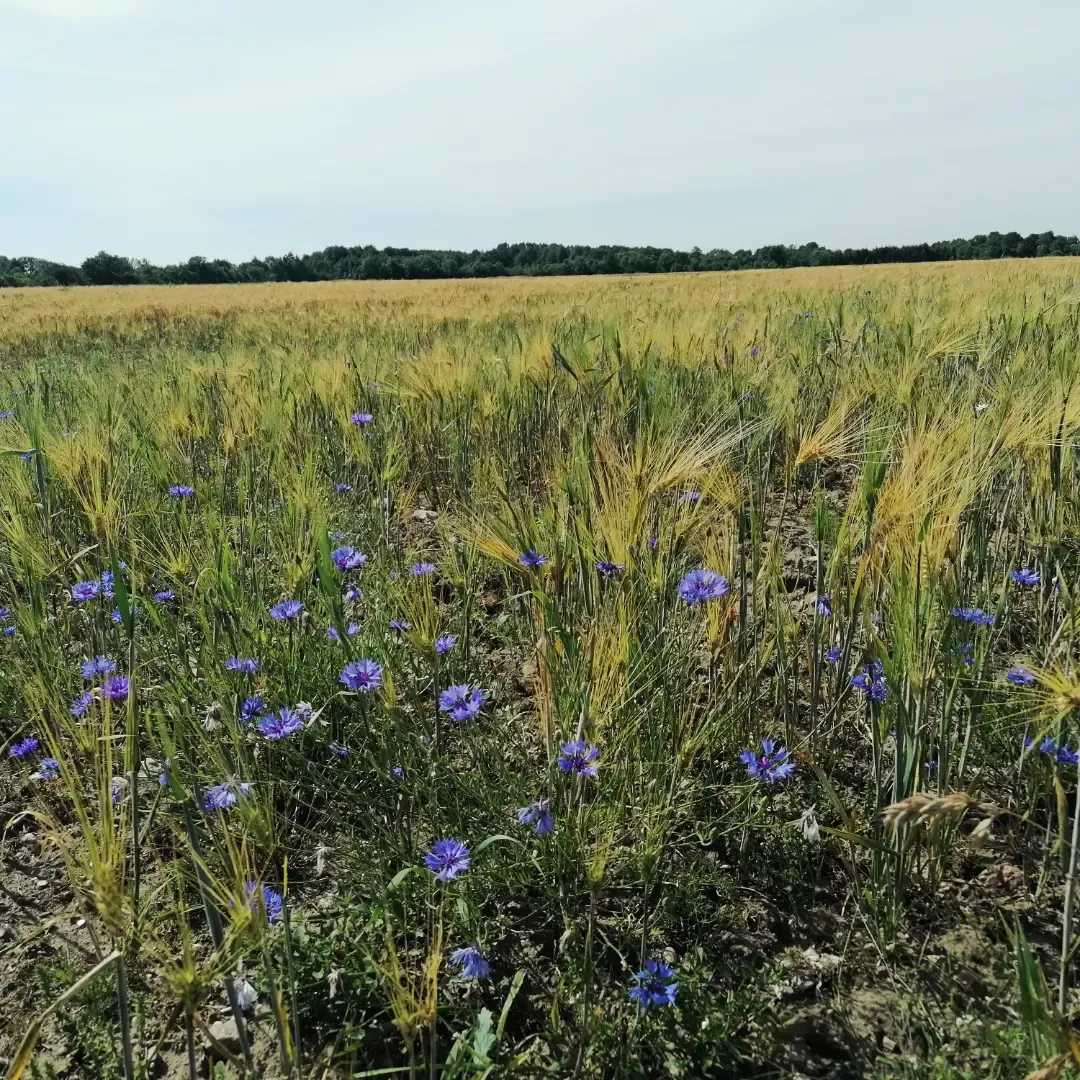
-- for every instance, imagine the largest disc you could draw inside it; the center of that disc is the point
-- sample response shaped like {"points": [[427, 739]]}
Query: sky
{"points": [[162, 129]]}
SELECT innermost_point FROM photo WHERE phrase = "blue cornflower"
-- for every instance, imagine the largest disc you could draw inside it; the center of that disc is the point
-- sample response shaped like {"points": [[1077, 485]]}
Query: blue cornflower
{"points": [[1067, 756], [422, 569], [83, 702], [287, 609], [352, 630], [119, 783], [181, 491], [471, 962], [579, 757], [398, 772], [700, 585], [461, 702], [107, 584], [447, 859], [400, 625], [1048, 746], [965, 652], [824, 605], [834, 654], [689, 496], [116, 688], [360, 419], [5, 614], [100, 665], [6, 414], [362, 675], [281, 725], [444, 644], [9, 631], [771, 765], [607, 568], [23, 748], [85, 590], [164, 596], [533, 559], [348, 558], [338, 750], [871, 681], [272, 901], [1020, 676], [654, 986], [224, 796], [540, 813], [48, 769], [976, 616], [1025, 576], [247, 665], [352, 593], [343, 486], [252, 709]]}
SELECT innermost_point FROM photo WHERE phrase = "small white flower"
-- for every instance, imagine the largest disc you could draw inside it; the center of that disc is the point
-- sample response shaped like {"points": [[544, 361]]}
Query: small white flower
{"points": [[305, 711], [809, 825], [320, 859], [246, 996]]}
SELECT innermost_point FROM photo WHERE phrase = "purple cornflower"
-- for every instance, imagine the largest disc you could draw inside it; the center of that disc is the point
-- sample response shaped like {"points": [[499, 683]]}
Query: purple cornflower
{"points": [[1067, 756], [361, 418], [872, 682], [532, 559], [338, 750], [539, 812], [100, 665], [773, 763], [471, 962], [447, 859], [976, 616], [287, 609], [85, 590], [654, 986], [400, 625], [689, 496], [352, 593], [607, 568], [24, 748], [343, 486], [362, 675], [1020, 676], [700, 585], [444, 644], [164, 596], [271, 900], [824, 605], [422, 569], [352, 630], [9, 631], [281, 725], [252, 709], [6, 414], [833, 655], [398, 772], [226, 795], [348, 558], [461, 703], [965, 652], [83, 702], [579, 757], [115, 688], [1025, 576], [48, 769], [247, 665], [107, 583], [181, 491]]}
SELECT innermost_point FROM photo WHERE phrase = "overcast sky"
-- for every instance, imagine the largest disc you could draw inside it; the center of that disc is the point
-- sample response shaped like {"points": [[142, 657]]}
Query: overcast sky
{"points": [[167, 128]]}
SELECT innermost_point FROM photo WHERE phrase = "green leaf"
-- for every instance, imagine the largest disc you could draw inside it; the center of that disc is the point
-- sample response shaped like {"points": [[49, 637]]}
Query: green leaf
{"points": [[515, 986], [399, 877], [491, 840], [483, 1038]]}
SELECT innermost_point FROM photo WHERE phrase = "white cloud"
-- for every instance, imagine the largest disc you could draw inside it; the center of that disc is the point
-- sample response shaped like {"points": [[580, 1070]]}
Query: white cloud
{"points": [[81, 11]]}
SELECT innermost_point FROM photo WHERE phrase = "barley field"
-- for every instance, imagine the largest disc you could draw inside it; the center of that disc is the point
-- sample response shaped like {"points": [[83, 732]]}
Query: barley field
{"points": [[587, 677]]}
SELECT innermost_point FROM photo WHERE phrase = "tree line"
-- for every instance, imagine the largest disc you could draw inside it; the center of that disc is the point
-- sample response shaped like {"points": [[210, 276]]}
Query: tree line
{"points": [[339, 263]]}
